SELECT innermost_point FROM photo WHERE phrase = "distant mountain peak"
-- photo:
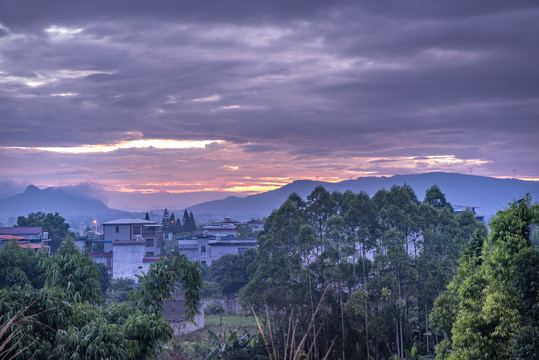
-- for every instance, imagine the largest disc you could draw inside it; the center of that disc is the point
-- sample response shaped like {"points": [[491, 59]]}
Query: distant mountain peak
{"points": [[490, 194], [31, 189]]}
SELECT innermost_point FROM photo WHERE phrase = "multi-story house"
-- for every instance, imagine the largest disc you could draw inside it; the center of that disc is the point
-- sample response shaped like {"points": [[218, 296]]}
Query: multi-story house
{"points": [[133, 245], [208, 248]]}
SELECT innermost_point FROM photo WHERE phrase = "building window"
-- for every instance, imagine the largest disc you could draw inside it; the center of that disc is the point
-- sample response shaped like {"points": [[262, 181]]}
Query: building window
{"points": [[149, 242], [149, 254], [140, 267], [241, 250], [136, 230], [117, 229], [203, 248]]}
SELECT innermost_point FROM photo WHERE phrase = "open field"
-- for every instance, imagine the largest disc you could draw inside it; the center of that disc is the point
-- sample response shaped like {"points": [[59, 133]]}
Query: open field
{"points": [[230, 322]]}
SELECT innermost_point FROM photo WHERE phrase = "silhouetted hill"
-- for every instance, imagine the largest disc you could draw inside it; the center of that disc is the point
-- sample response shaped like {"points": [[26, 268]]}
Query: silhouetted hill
{"points": [[489, 194], [67, 203], [77, 204]]}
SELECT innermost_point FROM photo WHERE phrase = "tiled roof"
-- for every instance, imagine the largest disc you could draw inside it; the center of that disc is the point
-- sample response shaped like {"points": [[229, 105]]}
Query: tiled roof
{"points": [[129, 222], [12, 237], [20, 230], [33, 246]]}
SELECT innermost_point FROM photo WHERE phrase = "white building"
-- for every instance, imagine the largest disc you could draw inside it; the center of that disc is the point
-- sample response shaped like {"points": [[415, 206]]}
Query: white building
{"points": [[134, 244], [207, 249], [223, 229]]}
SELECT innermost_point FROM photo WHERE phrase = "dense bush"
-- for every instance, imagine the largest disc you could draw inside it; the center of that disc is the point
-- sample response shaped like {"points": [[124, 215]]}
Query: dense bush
{"points": [[214, 308]]}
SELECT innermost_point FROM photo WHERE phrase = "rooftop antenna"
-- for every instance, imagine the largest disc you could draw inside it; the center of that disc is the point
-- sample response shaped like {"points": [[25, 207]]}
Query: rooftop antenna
{"points": [[514, 171], [471, 170]]}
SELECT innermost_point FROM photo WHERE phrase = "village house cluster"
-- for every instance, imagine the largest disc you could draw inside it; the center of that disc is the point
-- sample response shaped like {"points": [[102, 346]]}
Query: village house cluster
{"points": [[27, 237], [128, 246]]}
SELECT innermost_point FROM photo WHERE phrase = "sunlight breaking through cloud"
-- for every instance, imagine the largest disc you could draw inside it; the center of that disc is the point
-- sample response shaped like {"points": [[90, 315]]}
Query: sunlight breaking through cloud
{"points": [[134, 144]]}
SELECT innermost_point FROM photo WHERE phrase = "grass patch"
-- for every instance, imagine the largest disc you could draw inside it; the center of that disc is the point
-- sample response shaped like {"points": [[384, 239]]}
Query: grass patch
{"points": [[214, 323]]}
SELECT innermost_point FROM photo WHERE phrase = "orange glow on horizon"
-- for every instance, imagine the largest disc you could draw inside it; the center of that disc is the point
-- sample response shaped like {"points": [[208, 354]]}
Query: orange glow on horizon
{"points": [[523, 178]]}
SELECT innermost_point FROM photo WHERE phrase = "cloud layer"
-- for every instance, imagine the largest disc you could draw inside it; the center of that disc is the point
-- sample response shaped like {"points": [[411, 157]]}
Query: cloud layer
{"points": [[279, 90]]}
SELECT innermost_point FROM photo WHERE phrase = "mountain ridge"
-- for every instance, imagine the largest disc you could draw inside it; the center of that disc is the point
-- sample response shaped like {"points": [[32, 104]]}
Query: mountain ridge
{"points": [[67, 203], [486, 193]]}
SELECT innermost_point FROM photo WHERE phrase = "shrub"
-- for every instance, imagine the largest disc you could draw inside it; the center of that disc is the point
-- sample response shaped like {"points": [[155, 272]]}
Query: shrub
{"points": [[214, 308]]}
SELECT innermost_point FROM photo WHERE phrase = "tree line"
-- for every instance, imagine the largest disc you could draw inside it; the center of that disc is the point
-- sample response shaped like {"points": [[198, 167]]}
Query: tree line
{"points": [[356, 275], [490, 309], [174, 224]]}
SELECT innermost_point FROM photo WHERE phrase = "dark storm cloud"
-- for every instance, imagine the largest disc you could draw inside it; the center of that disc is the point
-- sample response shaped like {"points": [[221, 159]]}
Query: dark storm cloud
{"points": [[315, 79], [205, 11]]}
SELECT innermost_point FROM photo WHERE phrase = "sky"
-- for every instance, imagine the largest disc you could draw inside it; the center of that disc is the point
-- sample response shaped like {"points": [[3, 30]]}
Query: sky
{"points": [[245, 96]]}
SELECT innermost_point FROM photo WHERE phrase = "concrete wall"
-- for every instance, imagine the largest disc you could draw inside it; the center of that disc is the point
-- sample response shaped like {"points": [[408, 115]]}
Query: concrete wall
{"points": [[232, 306], [222, 232], [110, 233], [192, 254], [181, 327], [214, 250], [217, 251], [127, 261], [155, 249]]}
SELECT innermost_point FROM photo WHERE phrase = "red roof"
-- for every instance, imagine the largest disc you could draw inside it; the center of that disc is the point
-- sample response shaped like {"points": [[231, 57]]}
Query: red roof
{"points": [[12, 237], [32, 246]]}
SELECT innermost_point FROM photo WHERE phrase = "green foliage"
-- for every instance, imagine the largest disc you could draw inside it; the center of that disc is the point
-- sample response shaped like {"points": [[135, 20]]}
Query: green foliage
{"points": [[233, 346], [38, 314], [165, 221], [231, 271], [19, 266], [436, 198], [54, 224], [525, 344], [161, 282], [193, 350], [104, 277], [75, 274], [214, 308], [65, 320], [119, 289], [217, 322], [525, 282], [244, 232], [189, 224], [278, 262], [491, 303], [212, 290], [383, 261]]}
